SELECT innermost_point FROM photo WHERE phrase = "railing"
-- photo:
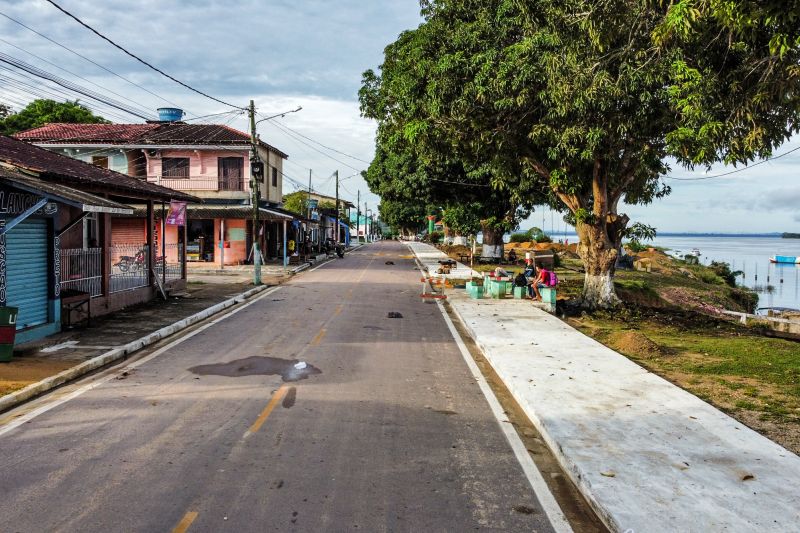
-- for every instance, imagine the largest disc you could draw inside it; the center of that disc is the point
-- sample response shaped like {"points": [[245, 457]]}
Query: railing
{"points": [[129, 267], [172, 260], [200, 183], [82, 270]]}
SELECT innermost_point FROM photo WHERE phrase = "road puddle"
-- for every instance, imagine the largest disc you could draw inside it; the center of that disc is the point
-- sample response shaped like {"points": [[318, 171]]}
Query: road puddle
{"points": [[287, 369]]}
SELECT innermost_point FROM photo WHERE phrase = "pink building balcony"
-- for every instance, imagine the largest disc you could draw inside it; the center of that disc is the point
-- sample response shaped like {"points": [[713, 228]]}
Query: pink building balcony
{"points": [[203, 183]]}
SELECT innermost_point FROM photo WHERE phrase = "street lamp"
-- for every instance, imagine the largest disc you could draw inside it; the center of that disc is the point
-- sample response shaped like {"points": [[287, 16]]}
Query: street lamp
{"points": [[257, 173]]}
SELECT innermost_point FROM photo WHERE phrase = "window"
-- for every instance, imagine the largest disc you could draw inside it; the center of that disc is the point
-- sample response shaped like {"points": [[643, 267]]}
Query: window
{"points": [[100, 161], [274, 177], [175, 167], [91, 231], [231, 172]]}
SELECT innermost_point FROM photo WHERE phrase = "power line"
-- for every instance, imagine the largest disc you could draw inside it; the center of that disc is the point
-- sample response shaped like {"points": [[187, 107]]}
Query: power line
{"points": [[137, 58], [78, 76], [287, 132], [39, 73], [324, 146], [68, 49], [737, 170]]}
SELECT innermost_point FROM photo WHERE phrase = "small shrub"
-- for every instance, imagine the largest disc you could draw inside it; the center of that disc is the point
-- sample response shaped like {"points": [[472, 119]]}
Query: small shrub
{"points": [[746, 298], [520, 237], [723, 270], [541, 237], [636, 246], [434, 237]]}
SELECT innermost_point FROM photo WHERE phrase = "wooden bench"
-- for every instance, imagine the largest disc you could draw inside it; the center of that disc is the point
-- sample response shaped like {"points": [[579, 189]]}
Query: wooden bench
{"points": [[73, 301]]}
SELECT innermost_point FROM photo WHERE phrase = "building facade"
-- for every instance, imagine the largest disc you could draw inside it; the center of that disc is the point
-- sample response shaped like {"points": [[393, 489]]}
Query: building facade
{"points": [[210, 162]]}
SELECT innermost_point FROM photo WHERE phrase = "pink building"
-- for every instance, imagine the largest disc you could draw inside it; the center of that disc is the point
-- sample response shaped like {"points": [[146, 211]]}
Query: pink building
{"points": [[208, 161]]}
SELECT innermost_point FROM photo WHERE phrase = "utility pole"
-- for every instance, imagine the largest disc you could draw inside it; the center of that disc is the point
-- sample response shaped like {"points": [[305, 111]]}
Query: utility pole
{"points": [[256, 173], [366, 225], [358, 217], [337, 208]]}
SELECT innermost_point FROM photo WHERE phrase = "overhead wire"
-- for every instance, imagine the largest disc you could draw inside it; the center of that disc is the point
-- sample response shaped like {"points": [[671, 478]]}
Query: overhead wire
{"points": [[290, 134], [320, 144], [748, 167], [98, 65], [139, 59], [40, 73], [78, 76]]}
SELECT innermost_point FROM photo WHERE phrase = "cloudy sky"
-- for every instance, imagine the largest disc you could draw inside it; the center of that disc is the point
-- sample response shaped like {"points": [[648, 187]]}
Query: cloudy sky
{"points": [[289, 53]]}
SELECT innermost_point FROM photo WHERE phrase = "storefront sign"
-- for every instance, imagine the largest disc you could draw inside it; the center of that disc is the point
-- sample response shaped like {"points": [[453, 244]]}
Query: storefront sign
{"points": [[177, 214], [15, 202], [2, 264]]}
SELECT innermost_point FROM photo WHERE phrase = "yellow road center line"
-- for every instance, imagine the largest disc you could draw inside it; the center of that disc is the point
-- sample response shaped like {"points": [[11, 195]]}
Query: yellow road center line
{"points": [[319, 337], [338, 310], [185, 522], [276, 399]]}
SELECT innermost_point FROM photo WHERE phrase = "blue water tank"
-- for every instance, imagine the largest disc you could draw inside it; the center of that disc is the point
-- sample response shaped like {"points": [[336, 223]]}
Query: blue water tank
{"points": [[169, 114]]}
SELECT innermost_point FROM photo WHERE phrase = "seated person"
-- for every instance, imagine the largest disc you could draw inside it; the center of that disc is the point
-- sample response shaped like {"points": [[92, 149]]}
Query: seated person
{"points": [[546, 278], [512, 256]]}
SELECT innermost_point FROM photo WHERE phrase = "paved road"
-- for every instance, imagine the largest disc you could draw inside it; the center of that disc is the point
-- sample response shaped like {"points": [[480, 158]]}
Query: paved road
{"points": [[384, 430]]}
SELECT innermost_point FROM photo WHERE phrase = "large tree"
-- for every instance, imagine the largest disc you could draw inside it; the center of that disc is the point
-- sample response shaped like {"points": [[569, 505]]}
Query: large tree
{"points": [[40, 112], [587, 99]]}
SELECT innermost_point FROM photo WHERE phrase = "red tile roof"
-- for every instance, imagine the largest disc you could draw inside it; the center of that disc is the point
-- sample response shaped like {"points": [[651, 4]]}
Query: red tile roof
{"points": [[155, 133], [57, 168], [95, 133]]}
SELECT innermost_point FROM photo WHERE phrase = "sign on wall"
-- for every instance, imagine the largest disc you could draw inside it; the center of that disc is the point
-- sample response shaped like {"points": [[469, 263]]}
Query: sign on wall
{"points": [[177, 214]]}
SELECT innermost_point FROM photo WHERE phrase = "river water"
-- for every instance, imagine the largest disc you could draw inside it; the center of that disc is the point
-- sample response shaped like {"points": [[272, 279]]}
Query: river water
{"points": [[778, 285]]}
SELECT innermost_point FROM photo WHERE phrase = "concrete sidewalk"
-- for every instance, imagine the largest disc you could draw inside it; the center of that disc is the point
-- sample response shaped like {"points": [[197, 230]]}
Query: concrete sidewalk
{"points": [[430, 256], [648, 456]]}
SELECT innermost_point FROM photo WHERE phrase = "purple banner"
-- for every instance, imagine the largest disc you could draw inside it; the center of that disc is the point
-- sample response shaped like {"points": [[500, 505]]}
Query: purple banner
{"points": [[177, 214]]}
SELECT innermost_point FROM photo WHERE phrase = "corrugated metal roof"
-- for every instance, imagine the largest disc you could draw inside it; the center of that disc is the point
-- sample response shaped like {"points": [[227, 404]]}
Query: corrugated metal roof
{"points": [[54, 167], [60, 193]]}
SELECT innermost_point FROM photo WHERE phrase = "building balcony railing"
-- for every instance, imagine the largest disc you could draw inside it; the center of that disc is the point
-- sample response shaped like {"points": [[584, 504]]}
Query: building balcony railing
{"points": [[201, 183]]}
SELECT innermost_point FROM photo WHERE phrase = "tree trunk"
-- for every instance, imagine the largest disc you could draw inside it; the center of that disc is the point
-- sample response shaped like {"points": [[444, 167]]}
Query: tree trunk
{"points": [[599, 251], [492, 242], [459, 240]]}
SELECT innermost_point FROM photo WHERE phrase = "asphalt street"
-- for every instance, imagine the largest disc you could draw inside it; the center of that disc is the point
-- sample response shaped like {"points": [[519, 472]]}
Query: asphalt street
{"points": [[310, 410]]}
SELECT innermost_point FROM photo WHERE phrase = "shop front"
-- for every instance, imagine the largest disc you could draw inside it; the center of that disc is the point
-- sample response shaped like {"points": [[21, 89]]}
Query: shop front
{"points": [[31, 216]]}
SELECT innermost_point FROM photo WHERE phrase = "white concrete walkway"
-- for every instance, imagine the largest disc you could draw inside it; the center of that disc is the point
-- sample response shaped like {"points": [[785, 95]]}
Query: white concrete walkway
{"points": [[649, 456], [430, 256]]}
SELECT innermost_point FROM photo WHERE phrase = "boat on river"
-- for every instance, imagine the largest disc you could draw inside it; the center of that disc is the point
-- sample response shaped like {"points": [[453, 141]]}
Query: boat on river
{"points": [[790, 259]]}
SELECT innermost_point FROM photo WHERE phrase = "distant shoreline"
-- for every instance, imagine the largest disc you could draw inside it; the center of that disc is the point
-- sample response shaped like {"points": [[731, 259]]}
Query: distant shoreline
{"points": [[775, 235]]}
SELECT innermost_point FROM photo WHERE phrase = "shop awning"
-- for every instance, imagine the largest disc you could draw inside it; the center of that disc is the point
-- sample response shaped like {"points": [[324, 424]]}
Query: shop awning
{"points": [[210, 211], [86, 202]]}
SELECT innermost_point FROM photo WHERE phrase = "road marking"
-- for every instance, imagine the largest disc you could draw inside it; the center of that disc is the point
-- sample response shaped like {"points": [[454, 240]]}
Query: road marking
{"points": [[319, 337], [546, 499], [276, 399], [185, 522], [17, 422], [338, 310]]}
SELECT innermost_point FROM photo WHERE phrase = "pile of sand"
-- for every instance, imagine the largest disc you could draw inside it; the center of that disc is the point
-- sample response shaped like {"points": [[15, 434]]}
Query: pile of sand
{"points": [[636, 343]]}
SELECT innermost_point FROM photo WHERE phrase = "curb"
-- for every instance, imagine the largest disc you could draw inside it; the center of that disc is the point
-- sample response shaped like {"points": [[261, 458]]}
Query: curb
{"points": [[35, 389], [555, 449]]}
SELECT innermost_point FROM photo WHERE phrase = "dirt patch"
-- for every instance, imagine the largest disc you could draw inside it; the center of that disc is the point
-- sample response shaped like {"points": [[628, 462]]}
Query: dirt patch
{"points": [[22, 371], [686, 298], [636, 343]]}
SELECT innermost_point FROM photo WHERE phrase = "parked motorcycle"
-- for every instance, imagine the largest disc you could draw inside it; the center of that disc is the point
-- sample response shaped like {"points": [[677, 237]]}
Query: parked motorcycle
{"points": [[128, 263]]}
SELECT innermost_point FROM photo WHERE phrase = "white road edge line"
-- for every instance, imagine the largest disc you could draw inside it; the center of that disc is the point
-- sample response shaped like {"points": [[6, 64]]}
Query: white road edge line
{"points": [[546, 499], [48, 406], [548, 502]]}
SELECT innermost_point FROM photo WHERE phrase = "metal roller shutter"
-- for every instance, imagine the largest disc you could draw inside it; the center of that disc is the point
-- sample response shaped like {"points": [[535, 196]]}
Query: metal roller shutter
{"points": [[27, 272], [128, 231]]}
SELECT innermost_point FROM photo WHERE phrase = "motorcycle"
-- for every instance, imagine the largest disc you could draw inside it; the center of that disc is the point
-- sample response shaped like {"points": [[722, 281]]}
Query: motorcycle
{"points": [[137, 262]]}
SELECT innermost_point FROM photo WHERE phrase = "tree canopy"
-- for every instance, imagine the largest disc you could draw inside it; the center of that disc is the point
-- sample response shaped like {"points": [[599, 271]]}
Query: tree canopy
{"points": [[581, 102], [40, 112]]}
